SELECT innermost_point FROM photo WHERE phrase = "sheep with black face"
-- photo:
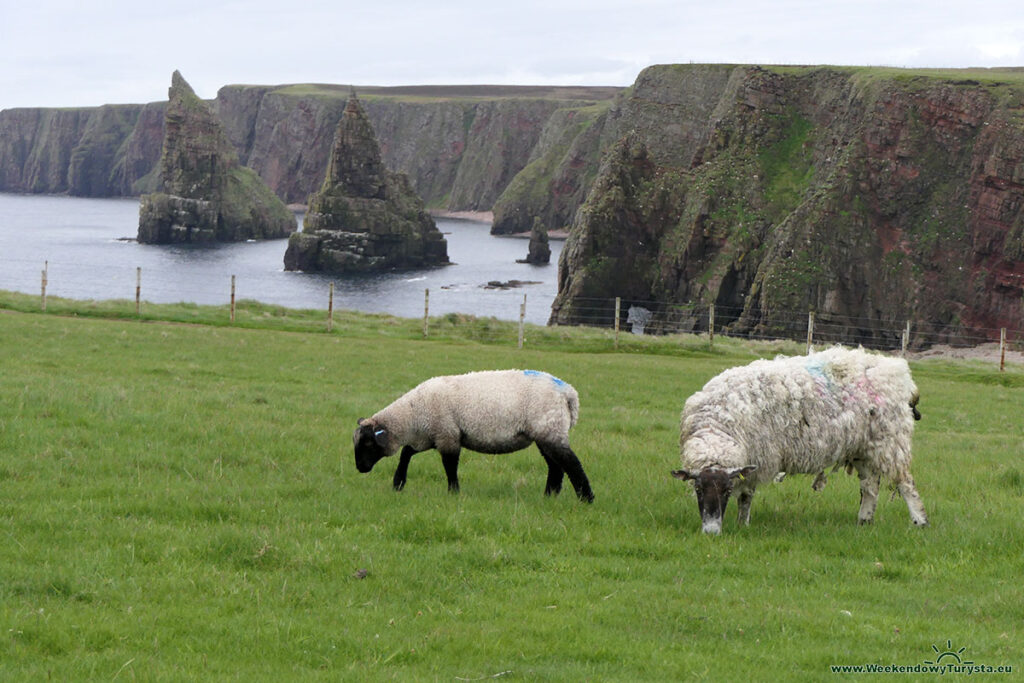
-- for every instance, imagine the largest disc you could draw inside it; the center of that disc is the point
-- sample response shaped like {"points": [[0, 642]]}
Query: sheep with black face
{"points": [[800, 415], [497, 411]]}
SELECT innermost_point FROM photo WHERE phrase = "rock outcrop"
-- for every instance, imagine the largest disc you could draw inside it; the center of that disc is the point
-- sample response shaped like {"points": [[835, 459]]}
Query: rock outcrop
{"points": [[206, 194], [364, 218], [539, 251], [873, 197], [610, 241]]}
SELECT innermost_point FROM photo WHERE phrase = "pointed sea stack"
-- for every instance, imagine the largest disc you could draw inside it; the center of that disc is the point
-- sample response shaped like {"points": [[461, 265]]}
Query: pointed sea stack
{"points": [[207, 195], [364, 218]]}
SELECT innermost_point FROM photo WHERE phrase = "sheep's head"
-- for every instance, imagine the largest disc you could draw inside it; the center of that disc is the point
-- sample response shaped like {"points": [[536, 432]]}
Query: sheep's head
{"points": [[371, 444], [713, 486]]}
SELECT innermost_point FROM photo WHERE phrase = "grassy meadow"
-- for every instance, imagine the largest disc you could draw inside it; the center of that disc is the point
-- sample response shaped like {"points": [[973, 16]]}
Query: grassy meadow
{"points": [[180, 502]]}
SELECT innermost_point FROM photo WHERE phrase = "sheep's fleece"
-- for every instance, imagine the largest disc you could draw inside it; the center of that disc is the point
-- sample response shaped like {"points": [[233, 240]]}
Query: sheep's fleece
{"points": [[804, 414]]}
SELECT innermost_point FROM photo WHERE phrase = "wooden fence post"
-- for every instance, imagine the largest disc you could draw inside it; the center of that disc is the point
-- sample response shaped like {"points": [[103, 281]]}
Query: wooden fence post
{"points": [[810, 331], [711, 326], [330, 308], [426, 310], [1002, 349], [522, 317], [618, 306], [46, 267], [138, 289], [232, 298]]}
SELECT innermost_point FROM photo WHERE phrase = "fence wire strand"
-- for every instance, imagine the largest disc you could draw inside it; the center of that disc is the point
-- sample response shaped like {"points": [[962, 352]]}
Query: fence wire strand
{"points": [[636, 317]]}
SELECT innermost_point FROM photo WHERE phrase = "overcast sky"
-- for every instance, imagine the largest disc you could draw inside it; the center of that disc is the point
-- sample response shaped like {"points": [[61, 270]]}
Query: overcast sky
{"points": [[75, 52]]}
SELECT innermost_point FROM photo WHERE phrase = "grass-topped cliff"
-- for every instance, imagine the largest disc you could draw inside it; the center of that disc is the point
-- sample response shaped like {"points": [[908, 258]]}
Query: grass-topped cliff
{"points": [[866, 193]]}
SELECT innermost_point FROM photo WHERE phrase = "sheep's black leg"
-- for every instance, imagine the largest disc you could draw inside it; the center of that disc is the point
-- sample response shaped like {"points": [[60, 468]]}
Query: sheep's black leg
{"points": [[451, 468], [555, 473], [570, 464], [403, 468]]}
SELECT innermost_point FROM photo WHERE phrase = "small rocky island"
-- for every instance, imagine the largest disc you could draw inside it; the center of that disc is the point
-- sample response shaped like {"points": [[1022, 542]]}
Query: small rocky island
{"points": [[539, 251], [364, 218], [207, 195]]}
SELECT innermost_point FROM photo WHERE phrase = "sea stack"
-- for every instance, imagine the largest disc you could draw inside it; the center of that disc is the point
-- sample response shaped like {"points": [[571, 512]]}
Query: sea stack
{"points": [[206, 194], [364, 218], [539, 250]]}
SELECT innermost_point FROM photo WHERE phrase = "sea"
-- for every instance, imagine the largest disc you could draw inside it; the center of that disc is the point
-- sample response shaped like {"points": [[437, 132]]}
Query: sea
{"points": [[87, 248]]}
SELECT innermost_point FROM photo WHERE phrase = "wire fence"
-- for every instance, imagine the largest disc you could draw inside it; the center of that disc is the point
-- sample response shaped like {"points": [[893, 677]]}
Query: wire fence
{"points": [[661, 318], [618, 319], [814, 328]]}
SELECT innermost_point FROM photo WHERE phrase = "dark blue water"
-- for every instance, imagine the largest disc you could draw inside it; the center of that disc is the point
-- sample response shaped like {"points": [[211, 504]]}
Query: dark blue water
{"points": [[83, 241]]}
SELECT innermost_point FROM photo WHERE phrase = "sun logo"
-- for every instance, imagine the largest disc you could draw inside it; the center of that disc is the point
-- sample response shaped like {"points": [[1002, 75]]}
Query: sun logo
{"points": [[948, 654]]}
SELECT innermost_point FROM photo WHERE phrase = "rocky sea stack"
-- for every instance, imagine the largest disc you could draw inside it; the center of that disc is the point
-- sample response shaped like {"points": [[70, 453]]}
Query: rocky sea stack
{"points": [[207, 195], [539, 250], [364, 217]]}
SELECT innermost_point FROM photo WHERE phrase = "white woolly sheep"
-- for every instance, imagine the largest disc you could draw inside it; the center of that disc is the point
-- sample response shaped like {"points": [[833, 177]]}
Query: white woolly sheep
{"points": [[497, 411], [800, 415]]}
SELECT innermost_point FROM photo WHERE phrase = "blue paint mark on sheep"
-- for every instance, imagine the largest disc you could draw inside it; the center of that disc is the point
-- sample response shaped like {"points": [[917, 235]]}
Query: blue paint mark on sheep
{"points": [[816, 368], [538, 373]]}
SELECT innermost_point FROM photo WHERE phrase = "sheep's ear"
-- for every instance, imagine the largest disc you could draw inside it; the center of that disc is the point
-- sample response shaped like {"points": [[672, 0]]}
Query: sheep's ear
{"points": [[685, 475], [381, 436], [742, 472]]}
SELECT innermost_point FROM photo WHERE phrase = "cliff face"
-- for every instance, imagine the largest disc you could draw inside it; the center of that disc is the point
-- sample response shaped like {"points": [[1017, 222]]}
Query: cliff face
{"points": [[136, 163], [206, 195], [459, 149], [862, 194], [92, 152], [459, 145], [36, 147], [667, 110], [93, 158], [364, 217], [560, 169]]}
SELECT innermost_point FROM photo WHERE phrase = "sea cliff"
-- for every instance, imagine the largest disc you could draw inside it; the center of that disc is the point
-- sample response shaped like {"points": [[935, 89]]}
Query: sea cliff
{"points": [[460, 146], [863, 194]]}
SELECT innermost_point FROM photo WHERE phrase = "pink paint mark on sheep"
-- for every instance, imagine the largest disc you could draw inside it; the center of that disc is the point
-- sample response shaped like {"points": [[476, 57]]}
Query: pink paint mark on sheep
{"points": [[865, 387]]}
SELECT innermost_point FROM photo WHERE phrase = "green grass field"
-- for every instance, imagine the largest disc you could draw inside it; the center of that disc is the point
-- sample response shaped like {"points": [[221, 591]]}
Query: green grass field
{"points": [[180, 502]]}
